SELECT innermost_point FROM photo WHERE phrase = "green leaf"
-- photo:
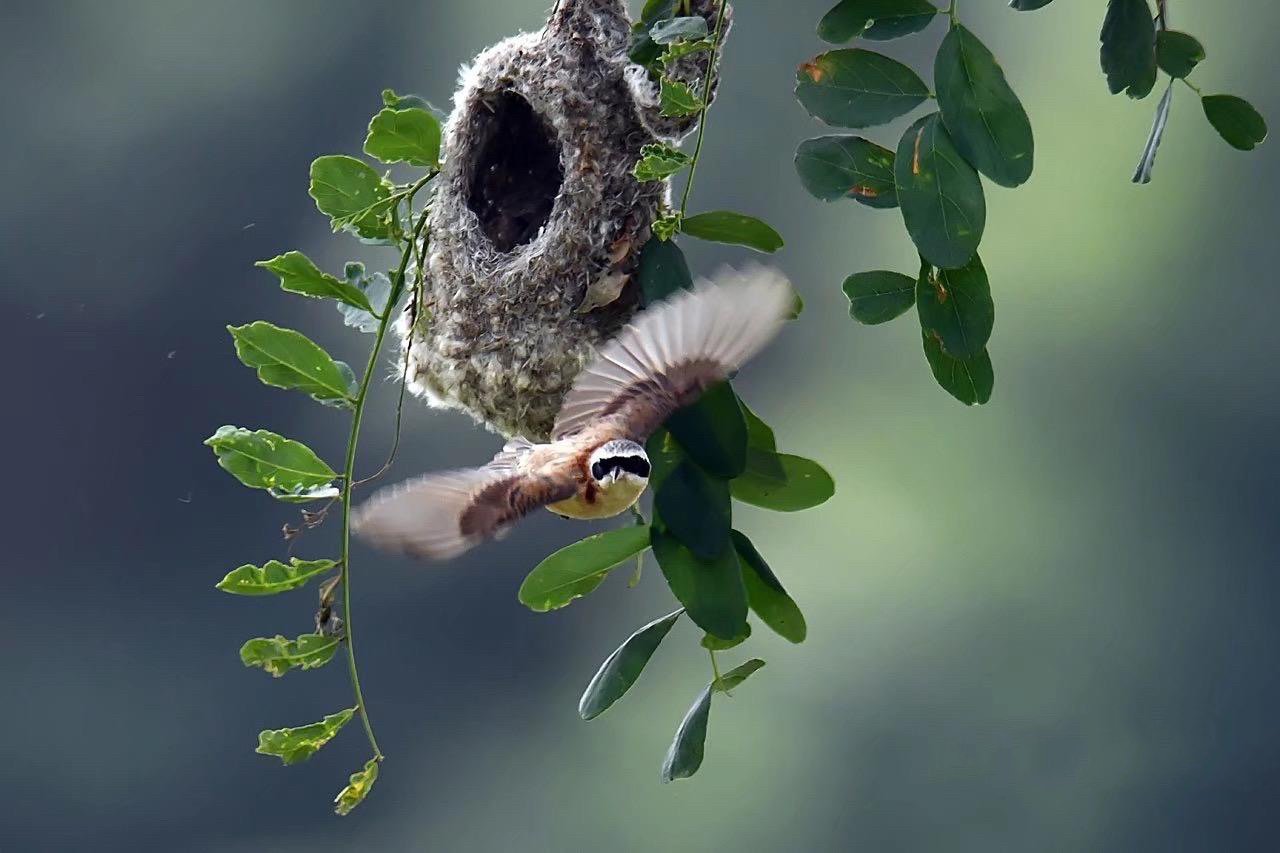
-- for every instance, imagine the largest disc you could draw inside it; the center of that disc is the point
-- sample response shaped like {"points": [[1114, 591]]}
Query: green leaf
{"points": [[264, 460], [759, 434], [1142, 175], [358, 787], [643, 49], [803, 483], [664, 455], [404, 136], [663, 271], [299, 275], [577, 569], [659, 162], [299, 744], [983, 115], [1029, 5], [299, 495], [858, 88], [277, 655], [667, 226], [405, 102], [879, 296], [713, 431], [725, 226], [695, 508], [672, 30], [1178, 53], [677, 99], [1129, 48], [715, 644], [377, 291], [940, 195], [352, 194], [710, 590], [879, 20], [621, 669], [969, 380], [833, 167], [680, 49], [275, 577], [955, 307], [684, 756], [737, 675], [288, 359], [766, 595], [1236, 121]]}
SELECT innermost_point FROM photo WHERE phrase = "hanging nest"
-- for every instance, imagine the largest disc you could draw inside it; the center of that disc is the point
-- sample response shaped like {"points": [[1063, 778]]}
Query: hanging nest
{"points": [[537, 223]]}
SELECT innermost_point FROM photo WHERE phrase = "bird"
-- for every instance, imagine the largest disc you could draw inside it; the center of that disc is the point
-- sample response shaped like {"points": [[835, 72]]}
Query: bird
{"points": [[595, 465]]}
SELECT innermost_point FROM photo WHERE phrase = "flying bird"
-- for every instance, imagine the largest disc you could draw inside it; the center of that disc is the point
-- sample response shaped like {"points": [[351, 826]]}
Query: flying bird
{"points": [[595, 465]]}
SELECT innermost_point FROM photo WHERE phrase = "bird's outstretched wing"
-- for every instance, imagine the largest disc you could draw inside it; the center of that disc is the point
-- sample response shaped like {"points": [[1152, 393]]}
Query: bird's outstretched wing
{"points": [[442, 515], [674, 351]]}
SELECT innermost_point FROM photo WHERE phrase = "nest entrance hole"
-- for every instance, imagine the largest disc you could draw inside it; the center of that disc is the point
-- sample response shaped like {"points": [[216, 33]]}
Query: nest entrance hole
{"points": [[517, 173]]}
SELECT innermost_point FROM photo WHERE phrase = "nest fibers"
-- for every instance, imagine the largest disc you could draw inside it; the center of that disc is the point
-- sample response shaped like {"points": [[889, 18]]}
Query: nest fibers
{"points": [[537, 222]]}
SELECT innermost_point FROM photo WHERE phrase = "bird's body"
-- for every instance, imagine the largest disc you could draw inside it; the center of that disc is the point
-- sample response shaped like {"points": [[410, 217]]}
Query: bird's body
{"points": [[595, 466]]}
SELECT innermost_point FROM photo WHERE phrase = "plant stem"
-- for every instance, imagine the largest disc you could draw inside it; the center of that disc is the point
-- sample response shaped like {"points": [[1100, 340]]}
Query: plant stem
{"points": [[706, 105], [715, 666]]}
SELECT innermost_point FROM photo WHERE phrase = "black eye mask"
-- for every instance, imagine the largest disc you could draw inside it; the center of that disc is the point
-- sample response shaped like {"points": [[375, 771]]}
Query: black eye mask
{"points": [[637, 465]]}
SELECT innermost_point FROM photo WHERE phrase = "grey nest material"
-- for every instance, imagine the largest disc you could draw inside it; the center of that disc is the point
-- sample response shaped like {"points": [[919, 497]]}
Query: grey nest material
{"points": [[537, 220]]}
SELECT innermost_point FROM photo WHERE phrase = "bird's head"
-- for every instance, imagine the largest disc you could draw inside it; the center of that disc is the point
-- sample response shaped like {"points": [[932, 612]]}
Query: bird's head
{"points": [[619, 460]]}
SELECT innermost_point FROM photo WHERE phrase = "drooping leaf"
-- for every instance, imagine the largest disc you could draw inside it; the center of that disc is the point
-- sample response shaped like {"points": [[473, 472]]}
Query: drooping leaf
{"points": [[759, 434], [621, 669], [879, 296], [1236, 121], [264, 460], [689, 28], [725, 226], [277, 655], [833, 167], [940, 194], [676, 99], [288, 359], [1147, 164], [878, 20], [858, 88], [663, 271], [659, 161], [358, 786], [713, 431], [956, 308], [1029, 5], [300, 495], [275, 577], [713, 643], [684, 756], [299, 275], [351, 194], [664, 454], [737, 675], [377, 291], [803, 485], [766, 595], [710, 590], [969, 380], [1178, 53], [404, 136], [695, 508], [578, 569], [1129, 47], [983, 115], [299, 744]]}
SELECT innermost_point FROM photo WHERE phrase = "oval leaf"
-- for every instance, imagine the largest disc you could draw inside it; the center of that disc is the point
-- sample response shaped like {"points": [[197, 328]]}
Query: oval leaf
{"points": [[983, 115], [710, 590], [690, 28], [879, 20], [576, 570], [1129, 48], [677, 99], [879, 296], [275, 577], [299, 744], [358, 787], [658, 162], [288, 359], [264, 460], [858, 88], [1236, 121], [404, 136], [940, 195], [955, 307], [832, 167], [352, 194], [621, 669], [766, 595], [969, 380], [277, 655], [299, 275], [737, 675], [803, 483], [684, 756], [713, 431], [695, 508], [663, 271], [1178, 53], [725, 226]]}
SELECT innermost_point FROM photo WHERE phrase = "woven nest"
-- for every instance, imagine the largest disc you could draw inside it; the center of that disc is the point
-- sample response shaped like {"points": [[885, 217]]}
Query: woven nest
{"points": [[537, 220]]}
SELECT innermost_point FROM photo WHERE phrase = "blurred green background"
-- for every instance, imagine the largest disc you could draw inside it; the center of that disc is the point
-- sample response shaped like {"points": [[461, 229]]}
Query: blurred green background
{"points": [[1047, 624]]}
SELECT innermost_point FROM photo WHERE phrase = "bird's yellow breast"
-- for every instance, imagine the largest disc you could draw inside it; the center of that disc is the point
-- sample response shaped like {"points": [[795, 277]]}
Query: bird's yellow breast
{"points": [[592, 501]]}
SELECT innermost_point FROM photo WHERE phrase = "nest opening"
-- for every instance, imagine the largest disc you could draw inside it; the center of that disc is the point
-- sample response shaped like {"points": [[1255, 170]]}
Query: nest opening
{"points": [[517, 173]]}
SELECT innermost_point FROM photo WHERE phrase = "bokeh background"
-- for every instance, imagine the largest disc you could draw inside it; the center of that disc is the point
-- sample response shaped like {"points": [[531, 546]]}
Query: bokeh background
{"points": [[1046, 624]]}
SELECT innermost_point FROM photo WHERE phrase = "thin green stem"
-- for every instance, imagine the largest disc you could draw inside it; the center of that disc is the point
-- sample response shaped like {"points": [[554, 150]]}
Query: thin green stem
{"points": [[1192, 86], [953, 12], [706, 106], [715, 666]]}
